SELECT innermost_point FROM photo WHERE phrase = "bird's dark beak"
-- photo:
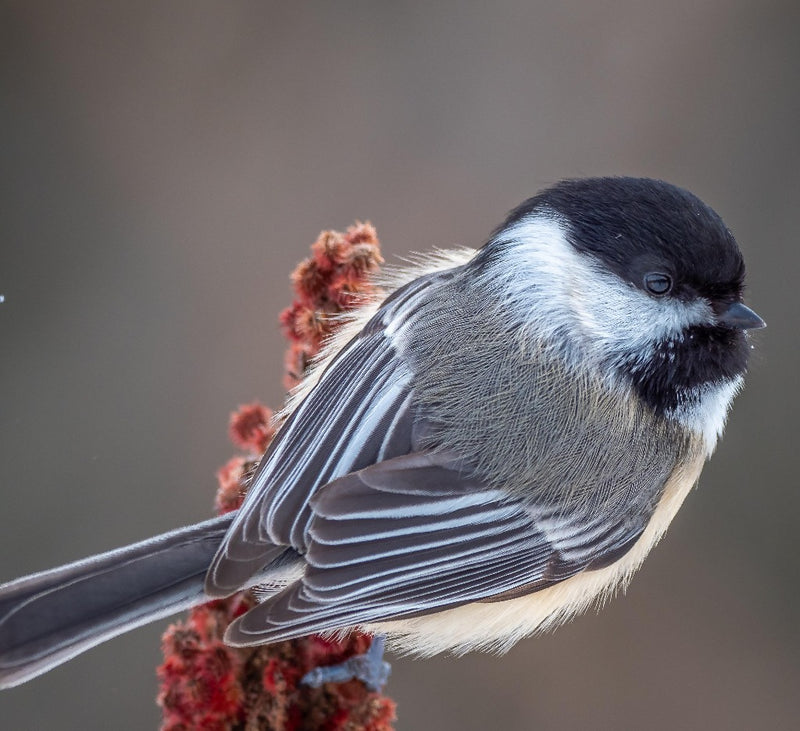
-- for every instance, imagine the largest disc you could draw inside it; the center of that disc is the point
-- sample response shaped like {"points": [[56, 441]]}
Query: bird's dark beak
{"points": [[741, 317]]}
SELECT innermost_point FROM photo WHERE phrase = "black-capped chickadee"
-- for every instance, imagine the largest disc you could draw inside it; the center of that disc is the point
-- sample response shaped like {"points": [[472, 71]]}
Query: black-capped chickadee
{"points": [[485, 452]]}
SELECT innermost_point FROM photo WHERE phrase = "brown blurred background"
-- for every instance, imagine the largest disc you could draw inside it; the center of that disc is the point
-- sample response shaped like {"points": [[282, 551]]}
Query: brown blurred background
{"points": [[164, 165]]}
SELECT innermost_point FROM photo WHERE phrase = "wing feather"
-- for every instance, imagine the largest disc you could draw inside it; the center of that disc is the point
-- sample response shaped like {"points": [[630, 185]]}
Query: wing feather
{"points": [[360, 412], [419, 534]]}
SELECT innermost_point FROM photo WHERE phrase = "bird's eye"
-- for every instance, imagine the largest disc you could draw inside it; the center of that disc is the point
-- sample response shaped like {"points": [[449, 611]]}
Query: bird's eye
{"points": [[657, 283]]}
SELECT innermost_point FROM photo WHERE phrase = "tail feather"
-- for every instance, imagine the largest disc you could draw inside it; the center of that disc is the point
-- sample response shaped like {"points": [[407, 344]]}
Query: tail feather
{"points": [[49, 617]]}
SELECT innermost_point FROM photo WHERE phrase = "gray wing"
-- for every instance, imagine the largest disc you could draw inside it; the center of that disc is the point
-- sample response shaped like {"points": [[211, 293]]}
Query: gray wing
{"points": [[419, 534], [360, 412]]}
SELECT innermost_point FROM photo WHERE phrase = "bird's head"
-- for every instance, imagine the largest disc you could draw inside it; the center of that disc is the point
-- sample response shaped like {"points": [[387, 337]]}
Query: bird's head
{"points": [[637, 279]]}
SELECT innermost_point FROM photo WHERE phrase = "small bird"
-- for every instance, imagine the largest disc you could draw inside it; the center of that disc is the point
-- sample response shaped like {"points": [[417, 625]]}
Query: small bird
{"points": [[480, 455]]}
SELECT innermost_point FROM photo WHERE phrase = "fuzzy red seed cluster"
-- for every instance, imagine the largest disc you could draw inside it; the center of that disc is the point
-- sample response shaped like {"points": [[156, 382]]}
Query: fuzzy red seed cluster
{"points": [[207, 685], [251, 428], [333, 280]]}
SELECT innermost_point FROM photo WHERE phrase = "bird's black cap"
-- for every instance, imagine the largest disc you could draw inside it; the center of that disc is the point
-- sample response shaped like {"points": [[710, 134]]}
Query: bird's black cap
{"points": [[640, 225]]}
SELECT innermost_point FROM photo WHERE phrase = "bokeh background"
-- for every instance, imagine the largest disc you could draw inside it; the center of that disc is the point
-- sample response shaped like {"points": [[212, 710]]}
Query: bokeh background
{"points": [[164, 165]]}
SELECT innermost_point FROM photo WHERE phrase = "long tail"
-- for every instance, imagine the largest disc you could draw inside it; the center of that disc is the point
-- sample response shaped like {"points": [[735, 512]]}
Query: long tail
{"points": [[49, 617]]}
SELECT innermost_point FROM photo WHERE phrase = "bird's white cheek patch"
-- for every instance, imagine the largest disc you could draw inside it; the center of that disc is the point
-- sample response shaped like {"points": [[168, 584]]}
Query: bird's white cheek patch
{"points": [[568, 296], [624, 320]]}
